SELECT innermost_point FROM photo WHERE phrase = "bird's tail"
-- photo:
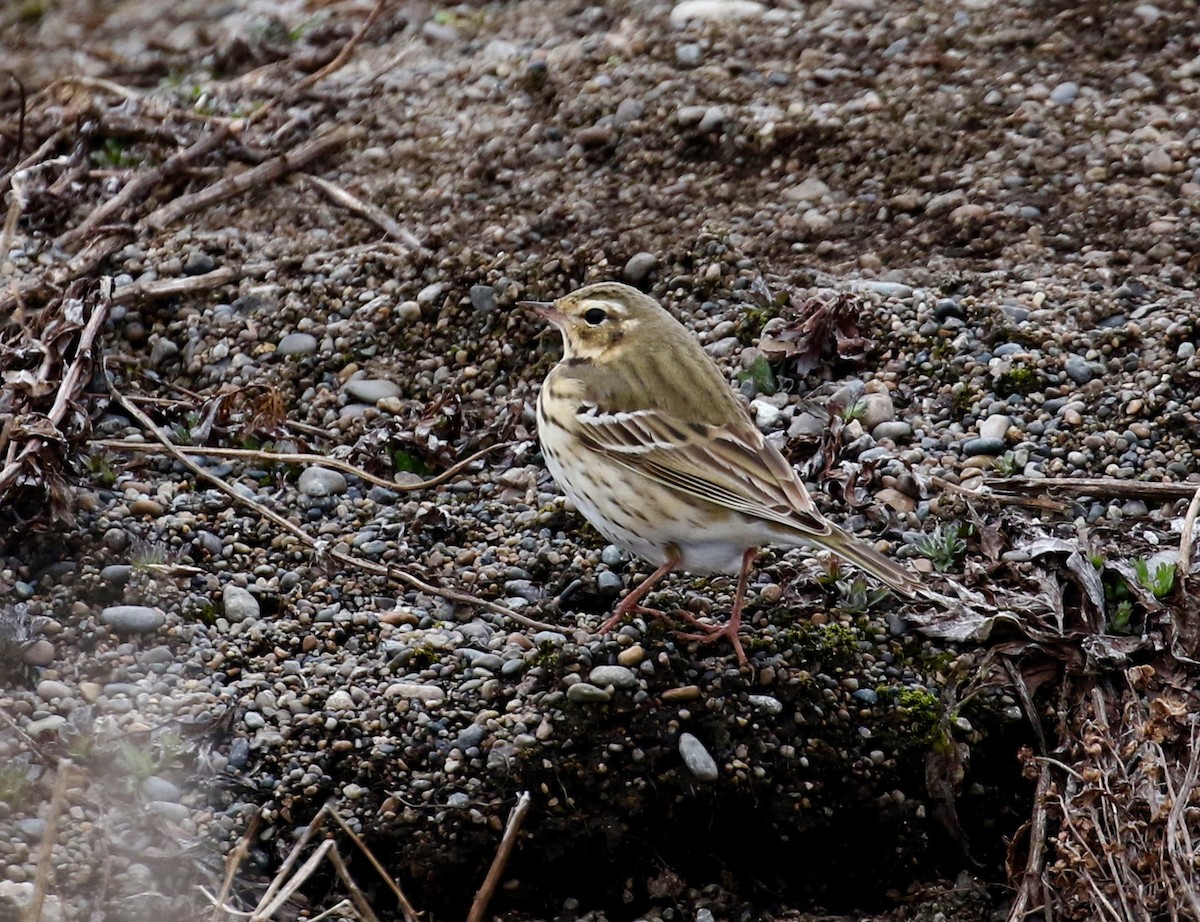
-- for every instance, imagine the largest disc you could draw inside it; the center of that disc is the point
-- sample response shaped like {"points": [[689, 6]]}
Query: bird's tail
{"points": [[864, 556]]}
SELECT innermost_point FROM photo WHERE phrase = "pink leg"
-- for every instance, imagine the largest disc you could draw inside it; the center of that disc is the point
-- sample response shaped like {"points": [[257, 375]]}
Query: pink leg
{"points": [[631, 603], [712, 633]]}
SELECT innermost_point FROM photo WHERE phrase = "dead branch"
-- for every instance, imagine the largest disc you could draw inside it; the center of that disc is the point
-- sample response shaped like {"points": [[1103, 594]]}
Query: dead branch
{"points": [[363, 209], [266, 172], [1032, 876], [410, 914], [68, 389], [41, 884], [233, 862], [484, 896], [1100, 487], [144, 183], [320, 547], [342, 56], [283, 457], [173, 288], [1185, 540]]}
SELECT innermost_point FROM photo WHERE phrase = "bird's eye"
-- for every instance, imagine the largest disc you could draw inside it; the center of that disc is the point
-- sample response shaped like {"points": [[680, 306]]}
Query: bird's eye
{"points": [[595, 316]]}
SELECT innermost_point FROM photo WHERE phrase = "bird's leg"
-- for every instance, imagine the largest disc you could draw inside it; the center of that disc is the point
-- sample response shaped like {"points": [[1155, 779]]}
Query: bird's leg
{"points": [[711, 632], [631, 604]]}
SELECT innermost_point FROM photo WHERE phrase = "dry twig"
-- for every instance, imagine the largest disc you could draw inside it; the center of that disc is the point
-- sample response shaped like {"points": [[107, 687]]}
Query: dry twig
{"points": [[320, 547], [484, 896], [41, 884]]}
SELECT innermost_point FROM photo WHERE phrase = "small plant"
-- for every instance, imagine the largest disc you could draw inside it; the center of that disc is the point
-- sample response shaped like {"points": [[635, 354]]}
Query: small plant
{"points": [[857, 597], [101, 468], [148, 556], [114, 155], [1160, 582], [139, 763], [855, 409], [1020, 379], [944, 546], [14, 785], [1006, 465], [761, 375]]}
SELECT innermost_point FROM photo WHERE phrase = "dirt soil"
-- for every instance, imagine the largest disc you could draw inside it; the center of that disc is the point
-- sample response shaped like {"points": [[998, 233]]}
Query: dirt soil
{"points": [[947, 251]]}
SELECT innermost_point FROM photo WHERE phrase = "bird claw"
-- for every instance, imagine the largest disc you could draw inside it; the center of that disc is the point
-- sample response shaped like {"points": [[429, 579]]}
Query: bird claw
{"points": [[711, 634], [619, 616]]}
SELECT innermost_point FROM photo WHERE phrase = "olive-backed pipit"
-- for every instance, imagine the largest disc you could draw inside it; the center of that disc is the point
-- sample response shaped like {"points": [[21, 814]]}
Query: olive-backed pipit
{"points": [[643, 433]]}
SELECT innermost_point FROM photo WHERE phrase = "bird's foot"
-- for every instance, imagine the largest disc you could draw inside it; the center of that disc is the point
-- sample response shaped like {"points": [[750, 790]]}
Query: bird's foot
{"points": [[711, 633], [621, 614]]}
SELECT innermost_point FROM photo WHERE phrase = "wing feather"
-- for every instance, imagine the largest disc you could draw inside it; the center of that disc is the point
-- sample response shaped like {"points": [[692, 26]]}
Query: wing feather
{"points": [[731, 466]]}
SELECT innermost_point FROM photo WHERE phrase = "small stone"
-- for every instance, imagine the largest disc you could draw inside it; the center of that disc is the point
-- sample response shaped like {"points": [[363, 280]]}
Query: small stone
{"points": [[174, 812], [199, 264], [51, 724], [1065, 93], [145, 506], [688, 54], [321, 481], [639, 266], [617, 676], [628, 110], [133, 619], [156, 788], [719, 10], [681, 694], [483, 298], [48, 690], [608, 583], [714, 118], [766, 704], [430, 694], [586, 693], [896, 430], [697, 758], [430, 293], [297, 344], [341, 700], [876, 409], [631, 656], [38, 653], [766, 414], [1078, 369], [972, 447], [371, 390], [32, 828], [16, 899], [896, 500], [239, 604], [995, 427]]}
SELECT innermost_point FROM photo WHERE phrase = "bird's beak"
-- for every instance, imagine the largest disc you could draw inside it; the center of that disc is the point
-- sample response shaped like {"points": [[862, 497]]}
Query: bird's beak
{"points": [[544, 309]]}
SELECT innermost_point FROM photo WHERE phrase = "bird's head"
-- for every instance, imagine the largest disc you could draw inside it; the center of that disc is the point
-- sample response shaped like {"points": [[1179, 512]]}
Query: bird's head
{"points": [[599, 319]]}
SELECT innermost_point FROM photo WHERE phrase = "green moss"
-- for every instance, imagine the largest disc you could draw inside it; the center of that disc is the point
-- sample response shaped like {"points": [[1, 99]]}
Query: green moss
{"points": [[914, 719], [1020, 379]]}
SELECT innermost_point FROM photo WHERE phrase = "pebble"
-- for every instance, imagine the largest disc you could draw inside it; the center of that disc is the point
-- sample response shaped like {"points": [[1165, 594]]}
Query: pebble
{"points": [[157, 788], [39, 653], [239, 604], [297, 344], [51, 724], [896, 430], [983, 446], [697, 758], [995, 427], [133, 619], [715, 10], [876, 410], [617, 676], [1078, 369], [638, 267], [430, 694], [632, 656], [766, 704], [586, 693], [321, 481], [48, 689], [608, 583], [483, 298], [371, 390]]}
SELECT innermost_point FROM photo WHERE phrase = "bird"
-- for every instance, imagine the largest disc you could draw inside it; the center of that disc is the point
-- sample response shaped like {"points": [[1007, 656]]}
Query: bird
{"points": [[642, 432]]}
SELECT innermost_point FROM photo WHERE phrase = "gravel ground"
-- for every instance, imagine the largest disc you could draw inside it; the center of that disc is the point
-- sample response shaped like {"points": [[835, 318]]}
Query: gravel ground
{"points": [[1006, 194]]}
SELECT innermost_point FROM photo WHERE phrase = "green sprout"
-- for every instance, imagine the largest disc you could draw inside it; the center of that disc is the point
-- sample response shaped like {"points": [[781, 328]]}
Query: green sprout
{"points": [[1160, 582], [944, 546]]}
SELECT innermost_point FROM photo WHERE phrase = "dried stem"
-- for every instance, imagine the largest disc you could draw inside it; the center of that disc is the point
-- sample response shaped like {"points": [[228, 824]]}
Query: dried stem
{"points": [[483, 897]]}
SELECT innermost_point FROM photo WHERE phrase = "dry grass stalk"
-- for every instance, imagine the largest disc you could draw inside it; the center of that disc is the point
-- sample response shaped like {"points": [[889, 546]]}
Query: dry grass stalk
{"points": [[41, 884], [508, 841]]}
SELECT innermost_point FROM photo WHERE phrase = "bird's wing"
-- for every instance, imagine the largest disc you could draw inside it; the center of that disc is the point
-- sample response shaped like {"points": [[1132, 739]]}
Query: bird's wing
{"points": [[729, 465]]}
